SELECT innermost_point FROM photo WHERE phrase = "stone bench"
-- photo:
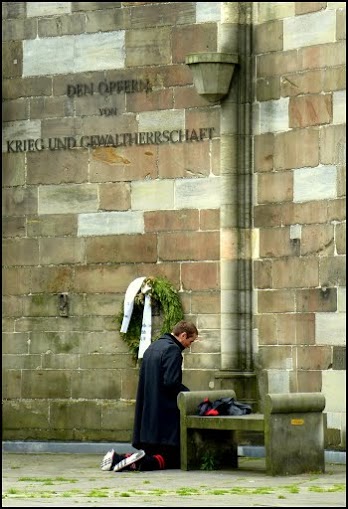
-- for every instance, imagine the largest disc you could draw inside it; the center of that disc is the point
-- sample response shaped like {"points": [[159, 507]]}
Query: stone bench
{"points": [[292, 426]]}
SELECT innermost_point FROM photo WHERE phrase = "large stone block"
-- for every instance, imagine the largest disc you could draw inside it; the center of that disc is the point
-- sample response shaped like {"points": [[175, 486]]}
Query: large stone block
{"points": [[193, 39], [103, 279], [309, 29], [46, 384], [19, 201], [185, 160], [52, 225], [89, 384], [109, 164], [209, 192], [19, 130], [20, 252], [171, 220], [14, 226], [189, 246], [200, 276], [110, 223], [19, 29], [147, 47], [108, 20], [330, 329], [294, 271], [316, 299], [66, 166], [315, 183], [11, 386], [47, 8], [145, 194], [310, 110], [26, 87], [75, 415], [13, 169], [274, 187], [73, 53], [15, 281], [275, 301], [48, 107], [121, 249], [51, 279], [297, 148], [15, 110], [62, 25], [12, 59], [25, 414], [68, 199]]}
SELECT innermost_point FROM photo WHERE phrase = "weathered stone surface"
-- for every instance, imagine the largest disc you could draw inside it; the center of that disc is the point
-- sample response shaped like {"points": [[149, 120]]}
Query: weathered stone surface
{"points": [[54, 251], [114, 196], [206, 191], [68, 199], [200, 276], [189, 246], [110, 223], [108, 20], [20, 130], [316, 299], [171, 220], [291, 273], [88, 384], [62, 25], [67, 166], [147, 47], [109, 164], [51, 279], [161, 15], [47, 9], [73, 53], [339, 107], [309, 29], [310, 110], [268, 37], [26, 87], [120, 249], [273, 116], [315, 183], [333, 271], [295, 149], [267, 11], [15, 281], [198, 38], [20, 252], [145, 194], [15, 110], [13, 10], [26, 413], [19, 29], [48, 107], [93, 6], [43, 384], [13, 169], [12, 59], [19, 201], [317, 239], [14, 226], [275, 187]]}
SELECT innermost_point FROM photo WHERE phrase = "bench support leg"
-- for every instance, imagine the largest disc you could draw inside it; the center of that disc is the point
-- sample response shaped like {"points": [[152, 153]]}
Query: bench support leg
{"points": [[208, 449]]}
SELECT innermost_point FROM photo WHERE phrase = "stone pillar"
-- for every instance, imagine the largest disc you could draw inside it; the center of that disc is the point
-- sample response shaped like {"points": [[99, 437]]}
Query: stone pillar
{"points": [[235, 243]]}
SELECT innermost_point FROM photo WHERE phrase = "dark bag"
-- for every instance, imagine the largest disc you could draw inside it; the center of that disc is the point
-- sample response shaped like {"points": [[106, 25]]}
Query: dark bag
{"points": [[223, 406]]}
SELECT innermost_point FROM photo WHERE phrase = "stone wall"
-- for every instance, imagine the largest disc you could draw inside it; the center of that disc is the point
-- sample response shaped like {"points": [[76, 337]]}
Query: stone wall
{"points": [[300, 172], [114, 167], [86, 219]]}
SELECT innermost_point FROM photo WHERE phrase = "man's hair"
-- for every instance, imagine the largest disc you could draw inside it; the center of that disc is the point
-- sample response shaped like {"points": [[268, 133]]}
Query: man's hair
{"points": [[184, 326]]}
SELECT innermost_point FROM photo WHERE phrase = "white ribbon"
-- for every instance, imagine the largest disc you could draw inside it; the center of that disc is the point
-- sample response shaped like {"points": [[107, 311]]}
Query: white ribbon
{"points": [[132, 290]]}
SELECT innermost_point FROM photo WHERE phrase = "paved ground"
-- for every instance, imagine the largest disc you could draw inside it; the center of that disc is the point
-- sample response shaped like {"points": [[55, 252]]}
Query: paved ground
{"points": [[75, 480]]}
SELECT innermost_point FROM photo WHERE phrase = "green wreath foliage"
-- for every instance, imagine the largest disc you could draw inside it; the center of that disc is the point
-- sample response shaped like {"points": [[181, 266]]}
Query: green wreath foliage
{"points": [[163, 296]]}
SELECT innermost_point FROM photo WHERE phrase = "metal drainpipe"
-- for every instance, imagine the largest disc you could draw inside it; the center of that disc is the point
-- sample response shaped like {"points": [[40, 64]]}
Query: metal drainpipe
{"points": [[235, 247]]}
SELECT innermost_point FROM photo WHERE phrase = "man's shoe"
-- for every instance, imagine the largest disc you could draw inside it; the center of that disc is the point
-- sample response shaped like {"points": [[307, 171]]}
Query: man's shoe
{"points": [[110, 459], [130, 461]]}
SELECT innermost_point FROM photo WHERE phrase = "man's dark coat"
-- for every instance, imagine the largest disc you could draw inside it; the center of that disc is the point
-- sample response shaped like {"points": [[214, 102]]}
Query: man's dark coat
{"points": [[157, 417]]}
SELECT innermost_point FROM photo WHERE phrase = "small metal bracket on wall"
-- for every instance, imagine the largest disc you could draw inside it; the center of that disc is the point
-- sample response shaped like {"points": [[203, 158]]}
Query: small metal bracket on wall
{"points": [[64, 304]]}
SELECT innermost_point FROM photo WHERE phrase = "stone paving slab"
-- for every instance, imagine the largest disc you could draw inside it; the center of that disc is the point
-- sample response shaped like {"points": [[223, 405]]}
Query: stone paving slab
{"points": [[75, 480]]}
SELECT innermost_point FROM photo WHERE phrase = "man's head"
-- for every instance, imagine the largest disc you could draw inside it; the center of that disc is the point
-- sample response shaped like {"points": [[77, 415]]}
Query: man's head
{"points": [[185, 332]]}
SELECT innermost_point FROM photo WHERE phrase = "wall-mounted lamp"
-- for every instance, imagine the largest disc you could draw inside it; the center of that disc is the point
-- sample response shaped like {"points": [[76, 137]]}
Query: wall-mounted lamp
{"points": [[212, 73]]}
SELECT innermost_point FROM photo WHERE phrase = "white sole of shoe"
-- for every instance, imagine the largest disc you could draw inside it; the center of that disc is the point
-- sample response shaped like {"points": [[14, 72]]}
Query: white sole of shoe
{"points": [[133, 458], [106, 463]]}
